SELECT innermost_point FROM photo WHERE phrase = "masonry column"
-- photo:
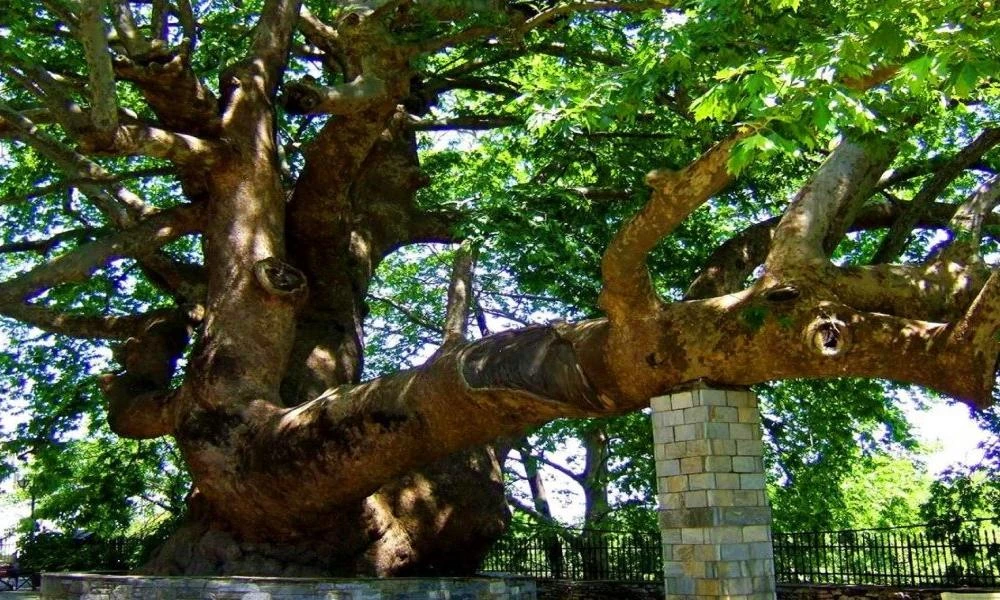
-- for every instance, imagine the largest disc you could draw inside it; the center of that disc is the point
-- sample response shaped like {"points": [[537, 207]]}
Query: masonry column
{"points": [[714, 516]]}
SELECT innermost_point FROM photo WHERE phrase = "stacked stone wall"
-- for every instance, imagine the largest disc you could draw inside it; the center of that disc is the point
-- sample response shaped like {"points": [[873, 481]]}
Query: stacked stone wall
{"points": [[84, 586]]}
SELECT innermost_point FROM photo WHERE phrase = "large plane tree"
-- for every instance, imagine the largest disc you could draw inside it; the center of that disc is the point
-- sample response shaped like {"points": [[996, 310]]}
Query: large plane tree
{"points": [[211, 187]]}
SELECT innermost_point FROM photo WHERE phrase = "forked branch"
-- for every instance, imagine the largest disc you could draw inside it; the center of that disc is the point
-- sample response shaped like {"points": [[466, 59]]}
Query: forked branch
{"points": [[627, 286]]}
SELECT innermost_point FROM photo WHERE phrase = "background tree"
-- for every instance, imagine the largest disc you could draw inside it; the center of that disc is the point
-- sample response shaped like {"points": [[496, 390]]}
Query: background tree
{"points": [[212, 187]]}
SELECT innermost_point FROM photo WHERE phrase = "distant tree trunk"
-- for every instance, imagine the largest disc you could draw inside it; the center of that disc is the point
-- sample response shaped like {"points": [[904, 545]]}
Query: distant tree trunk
{"points": [[548, 534], [594, 542]]}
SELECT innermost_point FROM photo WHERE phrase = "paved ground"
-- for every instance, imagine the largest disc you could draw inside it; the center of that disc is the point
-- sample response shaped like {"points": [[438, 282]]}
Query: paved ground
{"points": [[28, 595]]}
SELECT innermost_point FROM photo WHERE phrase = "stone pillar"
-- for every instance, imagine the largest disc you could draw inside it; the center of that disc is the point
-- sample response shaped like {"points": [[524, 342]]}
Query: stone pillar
{"points": [[714, 516]]}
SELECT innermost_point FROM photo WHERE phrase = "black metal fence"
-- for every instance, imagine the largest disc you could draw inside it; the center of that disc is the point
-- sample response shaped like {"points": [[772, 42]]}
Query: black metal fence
{"points": [[585, 554], [946, 554], [965, 553]]}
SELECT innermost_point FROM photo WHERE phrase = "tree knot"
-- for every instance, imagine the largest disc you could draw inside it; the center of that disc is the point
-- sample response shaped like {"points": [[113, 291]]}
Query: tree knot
{"points": [[828, 336], [280, 278]]}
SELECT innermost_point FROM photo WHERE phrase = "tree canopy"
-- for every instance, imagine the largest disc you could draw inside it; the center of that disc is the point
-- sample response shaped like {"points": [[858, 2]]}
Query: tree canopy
{"points": [[315, 244]]}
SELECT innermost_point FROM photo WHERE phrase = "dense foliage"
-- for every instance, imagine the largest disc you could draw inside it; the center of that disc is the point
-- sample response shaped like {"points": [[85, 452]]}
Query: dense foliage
{"points": [[156, 155]]}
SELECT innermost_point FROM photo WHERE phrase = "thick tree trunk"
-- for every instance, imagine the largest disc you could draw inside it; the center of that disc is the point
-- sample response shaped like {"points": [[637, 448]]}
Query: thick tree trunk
{"points": [[440, 520]]}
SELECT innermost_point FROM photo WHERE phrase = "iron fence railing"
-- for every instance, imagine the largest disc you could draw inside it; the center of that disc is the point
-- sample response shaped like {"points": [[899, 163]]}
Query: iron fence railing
{"points": [[585, 554], [958, 553], [963, 553]]}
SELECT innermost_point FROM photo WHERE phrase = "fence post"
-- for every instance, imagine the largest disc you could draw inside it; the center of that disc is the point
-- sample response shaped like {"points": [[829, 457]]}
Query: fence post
{"points": [[714, 517]]}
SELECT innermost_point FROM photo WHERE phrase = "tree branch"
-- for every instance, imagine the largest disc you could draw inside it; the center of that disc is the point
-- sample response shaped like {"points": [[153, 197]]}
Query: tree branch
{"points": [[128, 33], [727, 269], [78, 264], [60, 186], [456, 322], [563, 9], [967, 224], [824, 207], [272, 39], [895, 241], [305, 97], [44, 246], [627, 289], [138, 140], [469, 123], [104, 99]]}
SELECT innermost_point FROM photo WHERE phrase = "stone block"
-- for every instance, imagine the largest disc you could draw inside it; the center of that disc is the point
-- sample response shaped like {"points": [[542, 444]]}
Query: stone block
{"points": [[721, 497], [711, 397], [737, 585], [670, 535], [699, 447], [733, 568], [751, 481], [761, 550], [724, 414], [746, 464], [673, 568], [719, 431], [750, 498], [695, 499], [707, 587], [693, 535], [749, 447], [672, 418], [741, 399], [743, 431], [735, 552], [688, 517], [748, 414], [683, 552], [701, 481], [718, 464], [662, 435], [668, 467], [727, 481], [661, 403], [682, 400], [696, 414], [671, 450], [683, 433], [757, 533], [679, 585], [722, 447], [708, 552], [691, 464], [725, 535], [744, 515], [668, 501], [676, 483]]}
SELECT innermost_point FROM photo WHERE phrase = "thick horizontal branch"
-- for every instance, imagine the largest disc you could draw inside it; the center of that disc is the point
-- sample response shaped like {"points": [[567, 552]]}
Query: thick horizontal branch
{"points": [[502, 385], [138, 140]]}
